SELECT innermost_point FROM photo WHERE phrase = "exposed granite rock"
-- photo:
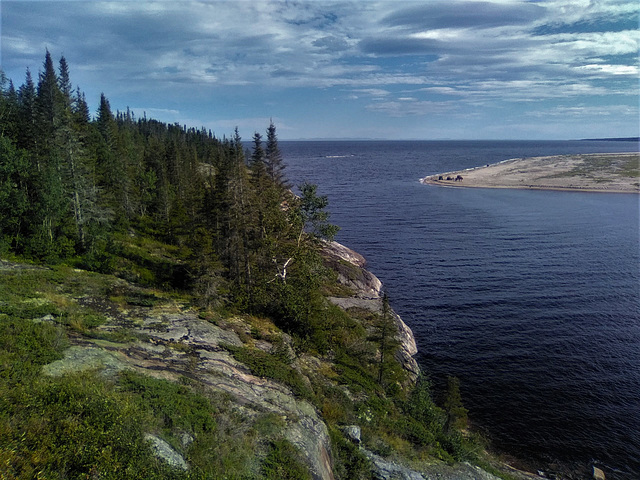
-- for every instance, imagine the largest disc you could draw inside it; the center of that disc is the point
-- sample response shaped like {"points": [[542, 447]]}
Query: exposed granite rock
{"points": [[164, 451], [80, 358], [386, 470], [367, 288], [349, 266], [353, 433], [173, 345], [459, 471], [336, 249]]}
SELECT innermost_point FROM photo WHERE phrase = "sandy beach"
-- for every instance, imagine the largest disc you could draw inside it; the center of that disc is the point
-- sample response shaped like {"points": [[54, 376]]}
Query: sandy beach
{"points": [[598, 172]]}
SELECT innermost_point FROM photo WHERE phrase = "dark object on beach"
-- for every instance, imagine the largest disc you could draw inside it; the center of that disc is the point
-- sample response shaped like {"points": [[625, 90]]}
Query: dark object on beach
{"points": [[459, 178], [440, 177], [449, 178]]}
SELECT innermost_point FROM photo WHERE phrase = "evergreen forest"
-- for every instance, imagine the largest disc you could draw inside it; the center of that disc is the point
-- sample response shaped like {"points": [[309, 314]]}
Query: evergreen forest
{"points": [[72, 186], [114, 226]]}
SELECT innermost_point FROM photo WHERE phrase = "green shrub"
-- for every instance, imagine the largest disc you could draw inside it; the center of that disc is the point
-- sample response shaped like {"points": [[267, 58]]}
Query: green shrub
{"points": [[174, 406], [263, 364], [283, 462], [349, 462], [77, 426], [25, 346]]}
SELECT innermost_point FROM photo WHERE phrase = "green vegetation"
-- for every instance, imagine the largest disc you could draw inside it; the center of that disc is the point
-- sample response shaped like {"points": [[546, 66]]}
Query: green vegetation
{"points": [[121, 217], [283, 463], [593, 166], [267, 365]]}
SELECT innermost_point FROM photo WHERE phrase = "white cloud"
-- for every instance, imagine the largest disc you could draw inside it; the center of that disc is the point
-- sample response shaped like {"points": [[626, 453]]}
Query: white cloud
{"points": [[585, 111], [404, 108], [538, 51], [612, 69]]}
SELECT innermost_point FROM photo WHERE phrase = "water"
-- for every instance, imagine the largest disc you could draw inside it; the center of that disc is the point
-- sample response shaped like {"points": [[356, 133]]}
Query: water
{"points": [[531, 298]]}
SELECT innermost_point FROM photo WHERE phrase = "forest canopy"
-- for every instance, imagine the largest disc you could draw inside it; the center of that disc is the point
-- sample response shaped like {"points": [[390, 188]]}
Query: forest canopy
{"points": [[78, 188]]}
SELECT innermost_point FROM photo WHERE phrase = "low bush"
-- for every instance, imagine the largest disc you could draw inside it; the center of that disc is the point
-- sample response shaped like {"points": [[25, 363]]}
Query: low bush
{"points": [[263, 364], [283, 462]]}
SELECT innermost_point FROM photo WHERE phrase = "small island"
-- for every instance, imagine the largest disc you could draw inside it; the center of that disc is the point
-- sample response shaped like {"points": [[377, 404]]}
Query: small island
{"points": [[596, 172]]}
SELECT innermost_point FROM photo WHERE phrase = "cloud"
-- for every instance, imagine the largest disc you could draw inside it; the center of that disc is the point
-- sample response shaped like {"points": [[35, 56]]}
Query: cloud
{"points": [[395, 58], [464, 15], [585, 111], [373, 92], [612, 69], [331, 43], [408, 107]]}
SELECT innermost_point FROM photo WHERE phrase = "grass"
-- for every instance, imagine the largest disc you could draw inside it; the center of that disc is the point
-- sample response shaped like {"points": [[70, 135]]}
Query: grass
{"points": [[593, 166], [84, 425], [283, 462]]}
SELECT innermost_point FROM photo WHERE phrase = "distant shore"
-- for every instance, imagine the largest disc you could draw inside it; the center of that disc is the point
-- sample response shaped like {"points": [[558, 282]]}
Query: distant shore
{"points": [[596, 172]]}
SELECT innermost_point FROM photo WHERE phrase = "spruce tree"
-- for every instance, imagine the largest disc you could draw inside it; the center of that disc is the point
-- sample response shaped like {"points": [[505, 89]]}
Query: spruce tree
{"points": [[47, 106], [27, 137], [274, 163], [14, 199], [257, 164]]}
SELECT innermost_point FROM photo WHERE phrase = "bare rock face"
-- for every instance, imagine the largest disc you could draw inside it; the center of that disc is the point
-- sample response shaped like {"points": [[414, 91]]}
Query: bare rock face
{"points": [[345, 253], [163, 450], [351, 272], [408, 347], [174, 344], [367, 288]]}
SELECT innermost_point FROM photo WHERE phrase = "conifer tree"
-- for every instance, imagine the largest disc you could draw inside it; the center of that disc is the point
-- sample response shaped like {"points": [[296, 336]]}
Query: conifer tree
{"points": [[111, 164], [81, 109], [257, 164], [273, 160], [27, 137], [80, 188], [50, 207], [14, 201], [8, 107], [47, 106], [456, 413]]}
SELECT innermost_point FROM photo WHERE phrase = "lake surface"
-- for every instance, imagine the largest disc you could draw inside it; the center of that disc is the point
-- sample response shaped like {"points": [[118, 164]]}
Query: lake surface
{"points": [[531, 298]]}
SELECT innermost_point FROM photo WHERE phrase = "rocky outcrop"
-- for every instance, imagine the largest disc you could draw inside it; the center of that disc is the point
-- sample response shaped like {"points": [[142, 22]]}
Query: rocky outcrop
{"points": [[385, 469], [175, 344], [366, 291], [349, 266], [164, 451]]}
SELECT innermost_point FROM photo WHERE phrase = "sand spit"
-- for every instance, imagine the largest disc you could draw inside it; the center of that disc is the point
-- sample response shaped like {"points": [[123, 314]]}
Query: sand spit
{"points": [[596, 172]]}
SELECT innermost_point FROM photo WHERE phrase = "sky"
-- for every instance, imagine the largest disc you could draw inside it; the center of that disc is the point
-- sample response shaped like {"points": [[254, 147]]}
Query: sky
{"points": [[495, 69]]}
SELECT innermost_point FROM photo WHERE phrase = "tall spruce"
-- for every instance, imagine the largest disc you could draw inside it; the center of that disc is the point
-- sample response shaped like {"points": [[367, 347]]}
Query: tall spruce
{"points": [[27, 137], [111, 164], [273, 160]]}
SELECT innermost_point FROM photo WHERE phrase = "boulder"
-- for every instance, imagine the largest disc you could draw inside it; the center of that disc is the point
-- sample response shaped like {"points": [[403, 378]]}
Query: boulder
{"points": [[598, 474], [163, 450]]}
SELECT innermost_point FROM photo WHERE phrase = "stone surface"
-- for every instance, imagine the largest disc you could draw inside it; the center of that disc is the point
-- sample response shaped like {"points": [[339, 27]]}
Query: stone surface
{"points": [[598, 474], [353, 433], [384, 469], [387, 470], [80, 358], [345, 253], [163, 450], [349, 267]]}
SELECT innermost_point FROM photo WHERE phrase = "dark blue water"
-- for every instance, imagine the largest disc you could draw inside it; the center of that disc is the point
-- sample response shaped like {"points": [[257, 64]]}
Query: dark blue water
{"points": [[531, 298]]}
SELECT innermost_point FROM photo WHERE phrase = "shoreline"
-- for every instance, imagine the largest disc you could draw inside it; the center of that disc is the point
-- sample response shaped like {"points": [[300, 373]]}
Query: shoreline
{"points": [[368, 295], [589, 173]]}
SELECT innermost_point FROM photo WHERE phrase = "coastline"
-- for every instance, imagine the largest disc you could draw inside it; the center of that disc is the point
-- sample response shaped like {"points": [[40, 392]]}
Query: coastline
{"points": [[367, 294], [591, 173]]}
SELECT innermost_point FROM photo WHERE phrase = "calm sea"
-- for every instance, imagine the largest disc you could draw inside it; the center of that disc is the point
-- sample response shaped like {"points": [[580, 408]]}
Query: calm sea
{"points": [[531, 298]]}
